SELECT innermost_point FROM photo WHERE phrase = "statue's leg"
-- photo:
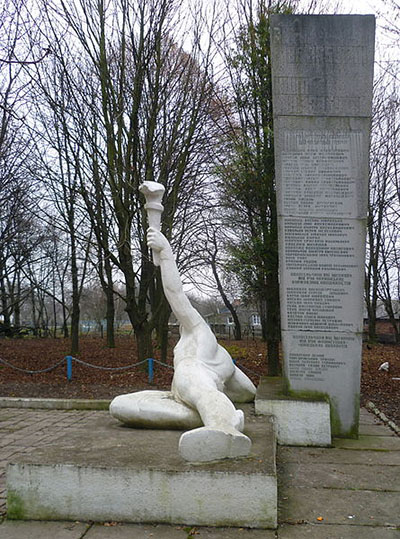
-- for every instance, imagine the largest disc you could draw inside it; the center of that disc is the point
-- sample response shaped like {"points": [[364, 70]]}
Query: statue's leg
{"points": [[220, 437], [239, 387], [154, 410]]}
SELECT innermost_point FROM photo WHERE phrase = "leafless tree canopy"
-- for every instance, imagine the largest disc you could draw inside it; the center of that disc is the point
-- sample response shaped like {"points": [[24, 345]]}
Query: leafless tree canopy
{"points": [[97, 97]]}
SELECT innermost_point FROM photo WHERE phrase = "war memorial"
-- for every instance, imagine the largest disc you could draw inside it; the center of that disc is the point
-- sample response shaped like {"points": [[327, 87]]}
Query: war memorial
{"points": [[201, 453]]}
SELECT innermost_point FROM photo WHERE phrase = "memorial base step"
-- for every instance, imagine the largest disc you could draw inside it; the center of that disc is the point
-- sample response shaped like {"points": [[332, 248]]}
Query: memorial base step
{"points": [[299, 422], [109, 472]]}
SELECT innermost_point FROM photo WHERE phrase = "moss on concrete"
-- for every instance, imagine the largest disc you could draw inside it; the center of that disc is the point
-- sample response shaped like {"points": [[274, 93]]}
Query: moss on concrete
{"points": [[15, 506], [305, 394], [278, 388], [336, 425]]}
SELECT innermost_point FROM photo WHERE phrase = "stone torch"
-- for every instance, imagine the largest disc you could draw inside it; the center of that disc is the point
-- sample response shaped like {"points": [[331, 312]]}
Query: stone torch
{"points": [[153, 193]]}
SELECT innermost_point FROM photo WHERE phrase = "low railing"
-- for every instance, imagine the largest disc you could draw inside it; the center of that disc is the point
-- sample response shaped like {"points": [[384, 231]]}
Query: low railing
{"points": [[69, 360]]}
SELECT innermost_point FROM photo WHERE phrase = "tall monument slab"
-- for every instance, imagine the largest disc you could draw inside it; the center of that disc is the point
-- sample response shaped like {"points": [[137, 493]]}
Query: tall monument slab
{"points": [[322, 76]]}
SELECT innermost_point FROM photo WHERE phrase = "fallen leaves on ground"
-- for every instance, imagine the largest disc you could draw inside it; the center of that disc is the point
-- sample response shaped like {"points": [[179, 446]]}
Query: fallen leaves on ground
{"points": [[378, 386]]}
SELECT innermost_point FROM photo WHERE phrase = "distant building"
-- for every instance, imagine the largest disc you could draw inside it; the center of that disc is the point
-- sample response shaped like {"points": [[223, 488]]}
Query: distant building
{"points": [[221, 321], [385, 331]]}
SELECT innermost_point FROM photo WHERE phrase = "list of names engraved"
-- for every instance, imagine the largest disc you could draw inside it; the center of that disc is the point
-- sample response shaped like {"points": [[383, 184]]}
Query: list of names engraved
{"points": [[319, 172], [314, 356], [322, 266]]}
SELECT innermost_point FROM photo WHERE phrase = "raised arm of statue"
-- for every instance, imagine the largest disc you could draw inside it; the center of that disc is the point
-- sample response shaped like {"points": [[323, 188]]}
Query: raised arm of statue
{"points": [[172, 284]]}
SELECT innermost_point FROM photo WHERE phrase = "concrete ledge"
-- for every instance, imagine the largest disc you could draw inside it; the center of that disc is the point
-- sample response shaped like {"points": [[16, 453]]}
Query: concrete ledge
{"points": [[299, 422], [55, 404], [108, 472]]}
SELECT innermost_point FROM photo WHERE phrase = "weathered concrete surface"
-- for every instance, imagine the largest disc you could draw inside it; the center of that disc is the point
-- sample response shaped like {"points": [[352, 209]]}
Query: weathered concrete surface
{"points": [[354, 487], [319, 531], [114, 530], [55, 404], [42, 530], [135, 531], [301, 422], [377, 443], [21, 431], [312, 456], [110, 472], [323, 64], [345, 476], [376, 430], [358, 507]]}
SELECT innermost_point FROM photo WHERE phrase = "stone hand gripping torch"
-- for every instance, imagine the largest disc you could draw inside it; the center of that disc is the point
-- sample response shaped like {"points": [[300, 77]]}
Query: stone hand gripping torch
{"points": [[153, 193]]}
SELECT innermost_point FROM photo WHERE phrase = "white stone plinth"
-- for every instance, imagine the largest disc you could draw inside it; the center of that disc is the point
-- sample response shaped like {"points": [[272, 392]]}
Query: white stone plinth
{"points": [[298, 422], [108, 472]]}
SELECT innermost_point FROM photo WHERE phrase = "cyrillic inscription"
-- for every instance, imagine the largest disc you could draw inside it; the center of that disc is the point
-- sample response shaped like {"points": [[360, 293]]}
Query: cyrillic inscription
{"points": [[321, 268], [319, 172], [313, 357]]}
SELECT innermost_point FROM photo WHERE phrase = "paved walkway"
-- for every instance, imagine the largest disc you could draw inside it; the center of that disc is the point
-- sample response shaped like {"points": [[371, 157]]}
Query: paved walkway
{"points": [[349, 491]]}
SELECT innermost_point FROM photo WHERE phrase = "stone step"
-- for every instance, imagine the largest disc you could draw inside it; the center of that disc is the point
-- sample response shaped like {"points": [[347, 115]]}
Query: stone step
{"points": [[299, 421], [108, 472]]}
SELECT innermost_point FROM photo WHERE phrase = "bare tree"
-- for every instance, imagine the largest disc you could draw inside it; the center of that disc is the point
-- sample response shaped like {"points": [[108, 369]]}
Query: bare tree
{"points": [[383, 215], [248, 171], [139, 108], [19, 231]]}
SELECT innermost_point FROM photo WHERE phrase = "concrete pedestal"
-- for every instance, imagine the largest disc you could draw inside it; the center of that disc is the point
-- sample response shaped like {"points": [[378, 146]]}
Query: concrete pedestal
{"points": [[299, 422], [113, 473]]}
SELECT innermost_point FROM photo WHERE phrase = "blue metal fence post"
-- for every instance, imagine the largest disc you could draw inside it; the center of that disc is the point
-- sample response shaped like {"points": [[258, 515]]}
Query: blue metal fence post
{"points": [[69, 367], [150, 369]]}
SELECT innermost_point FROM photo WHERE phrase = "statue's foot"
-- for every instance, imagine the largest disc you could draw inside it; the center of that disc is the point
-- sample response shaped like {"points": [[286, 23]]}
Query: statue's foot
{"points": [[209, 443]]}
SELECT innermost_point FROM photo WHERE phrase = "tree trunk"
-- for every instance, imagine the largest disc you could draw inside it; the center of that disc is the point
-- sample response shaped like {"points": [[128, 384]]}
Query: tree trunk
{"points": [[237, 329], [142, 329], [110, 306], [372, 327], [371, 307], [110, 317], [144, 341], [34, 317], [75, 328], [4, 307], [163, 330], [54, 311], [273, 322], [17, 302]]}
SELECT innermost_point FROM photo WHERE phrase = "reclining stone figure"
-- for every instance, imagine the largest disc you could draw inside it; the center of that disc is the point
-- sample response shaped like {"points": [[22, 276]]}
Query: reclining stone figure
{"points": [[204, 384]]}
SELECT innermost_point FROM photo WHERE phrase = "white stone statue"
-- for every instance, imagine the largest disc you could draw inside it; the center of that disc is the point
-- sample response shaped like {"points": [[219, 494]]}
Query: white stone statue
{"points": [[205, 381]]}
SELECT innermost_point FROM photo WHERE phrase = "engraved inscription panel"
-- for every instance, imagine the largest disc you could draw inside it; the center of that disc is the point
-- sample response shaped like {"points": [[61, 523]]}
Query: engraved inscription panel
{"points": [[326, 362], [322, 281], [322, 66], [322, 105], [322, 74], [319, 172], [314, 356]]}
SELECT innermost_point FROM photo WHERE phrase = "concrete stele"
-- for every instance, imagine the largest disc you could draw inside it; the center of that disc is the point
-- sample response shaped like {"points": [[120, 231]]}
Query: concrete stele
{"points": [[322, 74]]}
